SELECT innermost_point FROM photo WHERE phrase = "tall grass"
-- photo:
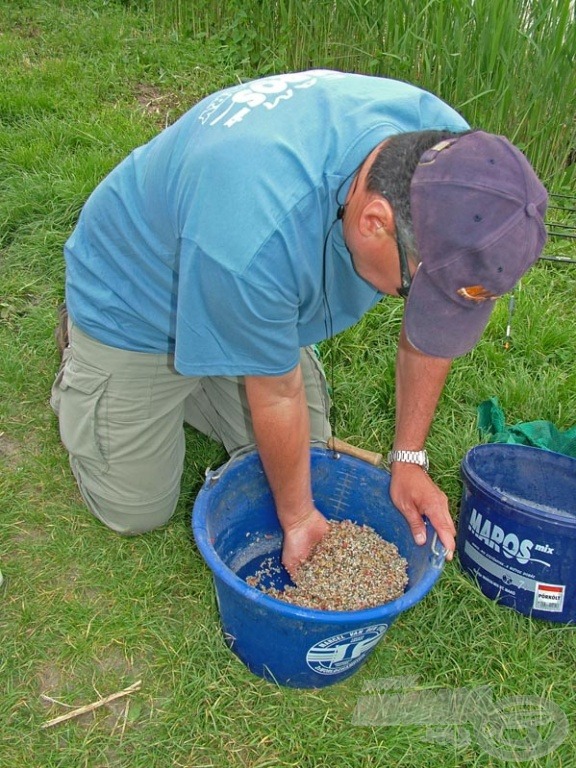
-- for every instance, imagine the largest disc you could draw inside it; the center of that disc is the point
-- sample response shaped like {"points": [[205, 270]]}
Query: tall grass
{"points": [[508, 65]]}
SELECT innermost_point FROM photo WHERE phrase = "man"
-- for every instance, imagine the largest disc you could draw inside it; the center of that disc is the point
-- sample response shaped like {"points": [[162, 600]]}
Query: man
{"points": [[271, 216]]}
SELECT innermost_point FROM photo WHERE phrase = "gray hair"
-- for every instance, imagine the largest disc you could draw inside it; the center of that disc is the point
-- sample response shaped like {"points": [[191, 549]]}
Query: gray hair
{"points": [[391, 175]]}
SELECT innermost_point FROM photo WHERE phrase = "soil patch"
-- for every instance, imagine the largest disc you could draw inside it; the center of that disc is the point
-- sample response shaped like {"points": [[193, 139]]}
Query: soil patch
{"points": [[10, 451], [163, 108]]}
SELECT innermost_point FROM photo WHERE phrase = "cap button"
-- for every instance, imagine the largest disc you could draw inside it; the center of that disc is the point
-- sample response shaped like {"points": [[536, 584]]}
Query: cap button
{"points": [[531, 210]]}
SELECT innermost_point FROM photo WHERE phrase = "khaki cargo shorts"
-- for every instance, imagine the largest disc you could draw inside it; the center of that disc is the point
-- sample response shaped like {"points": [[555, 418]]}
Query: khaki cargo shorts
{"points": [[122, 417]]}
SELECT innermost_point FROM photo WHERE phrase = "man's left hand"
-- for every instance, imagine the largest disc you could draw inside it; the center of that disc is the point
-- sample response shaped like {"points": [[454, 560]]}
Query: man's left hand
{"points": [[415, 494]]}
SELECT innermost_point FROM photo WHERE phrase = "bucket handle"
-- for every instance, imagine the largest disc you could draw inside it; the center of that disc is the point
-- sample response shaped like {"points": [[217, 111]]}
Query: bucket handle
{"points": [[439, 552], [213, 476]]}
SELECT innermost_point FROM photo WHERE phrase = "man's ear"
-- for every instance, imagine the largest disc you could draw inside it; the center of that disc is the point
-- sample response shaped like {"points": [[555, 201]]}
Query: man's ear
{"points": [[377, 218]]}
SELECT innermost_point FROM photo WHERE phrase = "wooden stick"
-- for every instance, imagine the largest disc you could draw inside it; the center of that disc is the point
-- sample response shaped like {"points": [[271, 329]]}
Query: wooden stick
{"points": [[50, 700], [91, 707], [360, 453]]}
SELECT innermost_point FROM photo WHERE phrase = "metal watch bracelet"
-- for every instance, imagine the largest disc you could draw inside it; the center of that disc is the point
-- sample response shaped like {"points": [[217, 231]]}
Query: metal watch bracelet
{"points": [[410, 457]]}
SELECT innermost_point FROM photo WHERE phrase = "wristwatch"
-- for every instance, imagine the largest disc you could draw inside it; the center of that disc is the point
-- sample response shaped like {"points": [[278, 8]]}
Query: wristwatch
{"points": [[410, 457]]}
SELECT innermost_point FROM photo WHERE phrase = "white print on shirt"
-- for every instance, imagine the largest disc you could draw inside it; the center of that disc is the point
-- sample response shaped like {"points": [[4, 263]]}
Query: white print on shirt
{"points": [[267, 93]]}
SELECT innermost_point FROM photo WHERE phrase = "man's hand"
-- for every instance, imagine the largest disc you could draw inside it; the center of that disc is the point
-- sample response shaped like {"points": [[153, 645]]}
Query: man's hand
{"points": [[300, 538], [415, 494]]}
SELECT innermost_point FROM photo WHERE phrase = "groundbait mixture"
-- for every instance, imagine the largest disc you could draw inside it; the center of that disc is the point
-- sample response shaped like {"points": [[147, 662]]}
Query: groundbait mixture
{"points": [[352, 568]]}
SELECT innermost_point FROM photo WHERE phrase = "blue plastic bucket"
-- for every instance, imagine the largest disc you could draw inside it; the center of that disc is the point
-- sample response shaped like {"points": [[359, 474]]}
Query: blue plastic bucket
{"points": [[517, 528], [236, 530]]}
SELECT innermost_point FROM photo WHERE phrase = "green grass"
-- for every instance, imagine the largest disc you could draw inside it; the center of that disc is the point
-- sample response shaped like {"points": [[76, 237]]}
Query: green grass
{"points": [[84, 613]]}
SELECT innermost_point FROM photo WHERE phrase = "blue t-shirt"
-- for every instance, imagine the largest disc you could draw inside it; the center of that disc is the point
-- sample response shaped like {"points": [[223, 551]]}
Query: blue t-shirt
{"points": [[219, 240]]}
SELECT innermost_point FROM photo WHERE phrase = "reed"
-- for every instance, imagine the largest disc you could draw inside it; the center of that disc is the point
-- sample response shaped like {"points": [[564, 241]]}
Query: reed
{"points": [[508, 65]]}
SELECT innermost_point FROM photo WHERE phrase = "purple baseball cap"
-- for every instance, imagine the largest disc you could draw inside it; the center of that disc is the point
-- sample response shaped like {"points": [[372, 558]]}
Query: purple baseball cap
{"points": [[478, 215]]}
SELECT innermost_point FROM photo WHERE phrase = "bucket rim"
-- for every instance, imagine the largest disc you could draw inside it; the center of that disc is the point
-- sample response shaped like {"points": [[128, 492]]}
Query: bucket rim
{"points": [[544, 455]]}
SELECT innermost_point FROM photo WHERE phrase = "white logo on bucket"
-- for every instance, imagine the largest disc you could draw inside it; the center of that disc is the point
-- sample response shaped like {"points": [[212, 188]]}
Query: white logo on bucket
{"points": [[340, 652], [509, 544]]}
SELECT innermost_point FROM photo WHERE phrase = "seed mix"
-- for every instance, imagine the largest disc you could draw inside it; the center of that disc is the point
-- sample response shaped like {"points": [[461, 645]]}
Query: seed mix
{"points": [[352, 568]]}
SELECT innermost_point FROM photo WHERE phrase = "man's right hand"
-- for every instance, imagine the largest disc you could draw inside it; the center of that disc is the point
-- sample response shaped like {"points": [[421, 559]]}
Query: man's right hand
{"points": [[300, 538]]}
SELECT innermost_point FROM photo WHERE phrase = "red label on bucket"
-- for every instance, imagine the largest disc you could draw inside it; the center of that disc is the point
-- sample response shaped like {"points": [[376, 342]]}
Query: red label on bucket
{"points": [[549, 597]]}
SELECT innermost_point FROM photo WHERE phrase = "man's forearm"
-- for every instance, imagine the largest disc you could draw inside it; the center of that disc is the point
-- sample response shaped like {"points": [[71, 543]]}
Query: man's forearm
{"points": [[419, 383], [281, 426]]}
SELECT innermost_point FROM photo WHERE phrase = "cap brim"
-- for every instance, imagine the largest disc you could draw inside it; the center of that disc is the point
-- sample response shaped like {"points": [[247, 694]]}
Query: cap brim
{"points": [[439, 327]]}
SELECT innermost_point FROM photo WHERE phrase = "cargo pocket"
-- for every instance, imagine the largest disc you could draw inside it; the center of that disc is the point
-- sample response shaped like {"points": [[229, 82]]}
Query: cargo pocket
{"points": [[317, 395], [80, 389]]}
